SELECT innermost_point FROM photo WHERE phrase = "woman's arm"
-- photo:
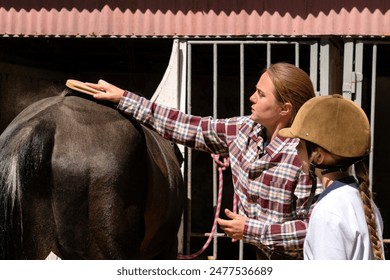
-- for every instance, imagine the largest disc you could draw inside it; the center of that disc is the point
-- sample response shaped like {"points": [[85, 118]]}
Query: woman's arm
{"points": [[201, 133]]}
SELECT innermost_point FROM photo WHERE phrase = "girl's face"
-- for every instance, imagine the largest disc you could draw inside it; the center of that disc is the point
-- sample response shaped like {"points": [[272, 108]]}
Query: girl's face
{"points": [[302, 155], [265, 109]]}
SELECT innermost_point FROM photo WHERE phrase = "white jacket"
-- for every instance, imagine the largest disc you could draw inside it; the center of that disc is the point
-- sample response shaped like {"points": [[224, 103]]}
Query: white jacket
{"points": [[337, 228]]}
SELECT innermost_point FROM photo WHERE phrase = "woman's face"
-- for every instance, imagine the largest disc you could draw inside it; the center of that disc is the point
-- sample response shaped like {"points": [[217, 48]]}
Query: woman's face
{"points": [[265, 109]]}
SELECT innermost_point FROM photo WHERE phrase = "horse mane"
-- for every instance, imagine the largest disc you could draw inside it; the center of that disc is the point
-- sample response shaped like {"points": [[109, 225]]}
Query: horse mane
{"points": [[24, 154]]}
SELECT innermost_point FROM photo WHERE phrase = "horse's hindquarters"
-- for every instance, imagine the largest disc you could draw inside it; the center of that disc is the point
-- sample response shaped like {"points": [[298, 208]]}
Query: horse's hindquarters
{"points": [[92, 184]]}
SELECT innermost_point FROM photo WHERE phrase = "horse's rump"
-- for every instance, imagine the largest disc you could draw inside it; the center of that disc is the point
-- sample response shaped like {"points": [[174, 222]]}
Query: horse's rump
{"points": [[87, 184]]}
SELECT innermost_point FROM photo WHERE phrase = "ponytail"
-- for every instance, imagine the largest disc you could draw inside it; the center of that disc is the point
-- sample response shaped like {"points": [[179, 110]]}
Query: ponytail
{"points": [[366, 196]]}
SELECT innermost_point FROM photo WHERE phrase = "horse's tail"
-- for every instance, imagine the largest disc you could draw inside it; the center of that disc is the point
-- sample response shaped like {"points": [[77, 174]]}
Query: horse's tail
{"points": [[25, 151]]}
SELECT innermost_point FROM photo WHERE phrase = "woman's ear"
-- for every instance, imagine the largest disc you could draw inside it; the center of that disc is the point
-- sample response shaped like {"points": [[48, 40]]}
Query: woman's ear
{"points": [[286, 109]]}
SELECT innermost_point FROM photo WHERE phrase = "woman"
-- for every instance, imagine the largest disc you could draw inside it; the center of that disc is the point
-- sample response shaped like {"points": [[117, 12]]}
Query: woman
{"points": [[273, 192], [345, 223]]}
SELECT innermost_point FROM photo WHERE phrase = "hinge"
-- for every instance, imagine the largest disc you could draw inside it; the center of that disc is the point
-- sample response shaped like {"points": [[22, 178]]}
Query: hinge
{"points": [[350, 88]]}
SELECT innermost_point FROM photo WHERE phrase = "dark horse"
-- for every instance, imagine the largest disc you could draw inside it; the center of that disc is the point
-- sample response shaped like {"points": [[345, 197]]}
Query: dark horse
{"points": [[79, 179]]}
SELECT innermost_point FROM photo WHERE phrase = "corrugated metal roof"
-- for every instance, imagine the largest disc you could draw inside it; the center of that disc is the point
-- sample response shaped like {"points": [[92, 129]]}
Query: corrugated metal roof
{"points": [[194, 18]]}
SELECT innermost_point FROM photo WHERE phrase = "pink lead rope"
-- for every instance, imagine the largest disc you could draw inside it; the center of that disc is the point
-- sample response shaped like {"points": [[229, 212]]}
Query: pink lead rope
{"points": [[221, 167]]}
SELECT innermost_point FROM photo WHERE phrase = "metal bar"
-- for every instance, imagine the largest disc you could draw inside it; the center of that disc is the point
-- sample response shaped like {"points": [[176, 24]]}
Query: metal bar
{"points": [[235, 42], [348, 69], [324, 67], [358, 72], [189, 154], [215, 81], [215, 115], [242, 65], [314, 66], [372, 116], [268, 54], [296, 54]]}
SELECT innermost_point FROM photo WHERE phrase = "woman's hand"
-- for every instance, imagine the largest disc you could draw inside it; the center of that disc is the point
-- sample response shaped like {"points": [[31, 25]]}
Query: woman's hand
{"points": [[233, 228], [111, 92]]}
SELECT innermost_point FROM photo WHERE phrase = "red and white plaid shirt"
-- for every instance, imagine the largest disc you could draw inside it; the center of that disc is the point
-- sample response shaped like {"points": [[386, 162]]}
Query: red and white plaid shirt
{"points": [[268, 181]]}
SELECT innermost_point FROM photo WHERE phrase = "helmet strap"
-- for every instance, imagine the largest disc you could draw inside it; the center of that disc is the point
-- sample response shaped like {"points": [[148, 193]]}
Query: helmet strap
{"points": [[331, 169], [313, 178], [325, 169]]}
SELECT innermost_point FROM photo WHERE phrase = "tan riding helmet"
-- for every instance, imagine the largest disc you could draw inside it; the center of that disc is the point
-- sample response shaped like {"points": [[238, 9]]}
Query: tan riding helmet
{"points": [[333, 123]]}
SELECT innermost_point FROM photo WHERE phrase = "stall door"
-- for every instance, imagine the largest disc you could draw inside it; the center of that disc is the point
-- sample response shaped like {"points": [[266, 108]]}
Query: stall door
{"points": [[366, 81]]}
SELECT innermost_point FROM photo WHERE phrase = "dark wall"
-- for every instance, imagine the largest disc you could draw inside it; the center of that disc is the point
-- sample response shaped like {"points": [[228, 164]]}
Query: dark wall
{"points": [[34, 68]]}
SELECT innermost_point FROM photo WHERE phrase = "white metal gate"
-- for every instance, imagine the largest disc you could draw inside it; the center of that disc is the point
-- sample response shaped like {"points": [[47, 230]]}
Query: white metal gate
{"points": [[199, 66], [366, 80]]}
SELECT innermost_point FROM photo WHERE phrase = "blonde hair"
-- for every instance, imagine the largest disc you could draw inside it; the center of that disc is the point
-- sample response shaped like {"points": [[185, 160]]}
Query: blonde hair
{"points": [[292, 85], [366, 196]]}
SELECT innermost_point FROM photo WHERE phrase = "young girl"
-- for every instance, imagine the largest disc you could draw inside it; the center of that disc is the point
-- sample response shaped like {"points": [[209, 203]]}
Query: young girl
{"points": [[345, 223]]}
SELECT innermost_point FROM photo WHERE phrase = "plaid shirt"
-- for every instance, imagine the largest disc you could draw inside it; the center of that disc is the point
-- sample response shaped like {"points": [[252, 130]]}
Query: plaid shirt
{"points": [[271, 187]]}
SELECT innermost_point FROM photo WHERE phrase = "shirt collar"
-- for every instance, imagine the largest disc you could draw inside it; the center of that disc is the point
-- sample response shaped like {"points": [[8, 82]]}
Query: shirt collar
{"points": [[278, 143], [256, 133], [347, 181]]}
